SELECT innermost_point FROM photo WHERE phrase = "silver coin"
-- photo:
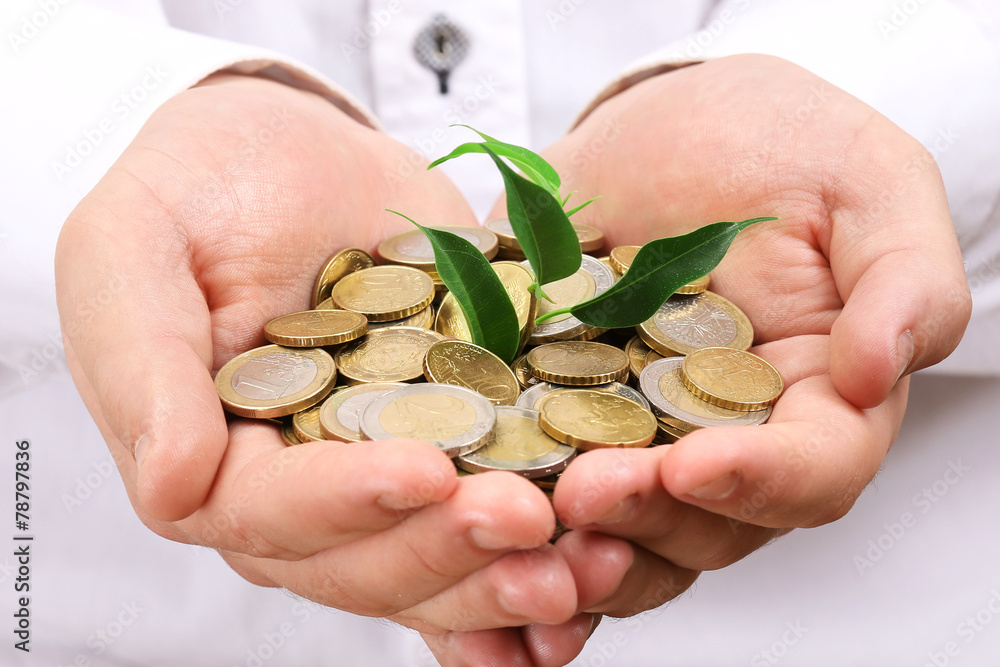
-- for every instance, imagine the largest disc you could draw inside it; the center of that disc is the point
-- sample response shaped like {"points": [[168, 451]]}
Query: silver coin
{"points": [[454, 419], [529, 397], [570, 327], [532, 394], [519, 445], [661, 383]]}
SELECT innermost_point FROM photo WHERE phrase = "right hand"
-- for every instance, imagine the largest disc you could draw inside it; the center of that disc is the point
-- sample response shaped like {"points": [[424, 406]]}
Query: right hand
{"points": [[214, 220]]}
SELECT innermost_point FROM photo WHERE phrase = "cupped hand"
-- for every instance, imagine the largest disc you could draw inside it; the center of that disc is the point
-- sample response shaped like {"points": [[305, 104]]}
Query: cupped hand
{"points": [[858, 283], [216, 219]]}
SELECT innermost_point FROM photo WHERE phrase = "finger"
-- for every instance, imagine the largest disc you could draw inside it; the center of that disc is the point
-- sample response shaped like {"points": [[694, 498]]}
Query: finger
{"points": [[393, 570], [897, 265], [806, 467], [145, 351], [646, 582], [482, 648], [633, 504], [557, 645], [283, 502], [527, 586]]}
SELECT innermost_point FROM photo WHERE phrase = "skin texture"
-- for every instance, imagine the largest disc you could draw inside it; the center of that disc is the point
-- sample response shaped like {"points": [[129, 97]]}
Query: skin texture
{"points": [[859, 282]]}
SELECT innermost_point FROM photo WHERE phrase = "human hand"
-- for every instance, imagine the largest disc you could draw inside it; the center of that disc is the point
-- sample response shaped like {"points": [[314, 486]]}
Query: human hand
{"points": [[858, 283], [215, 220]]}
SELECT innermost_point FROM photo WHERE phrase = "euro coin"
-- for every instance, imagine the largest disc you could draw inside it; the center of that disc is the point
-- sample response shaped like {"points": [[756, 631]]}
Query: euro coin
{"points": [[591, 238], [340, 414], [306, 425], [662, 383], [695, 286], [622, 256], [466, 365], [531, 396], [522, 371], [684, 324], [316, 328], [288, 434], [385, 292], [589, 419], [423, 319], [732, 379], [275, 381], [339, 265], [519, 445], [592, 279], [454, 419], [393, 354], [636, 352], [412, 248], [578, 363]]}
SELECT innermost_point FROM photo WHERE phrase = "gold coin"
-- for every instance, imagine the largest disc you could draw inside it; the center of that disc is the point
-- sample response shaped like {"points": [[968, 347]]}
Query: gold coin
{"points": [[732, 379], [522, 371], [547, 483], [274, 381], [346, 261], [589, 419], [578, 363], [316, 328], [652, 356], [384, 293], [516, 279], [504, 233], [454, 419], [305, 424], [340, 414], [519, 445], [622, 256], [591, 238], [288, 434], [423, 319], [511, 254], [636, 352], [466, 365], [393, 354], [673, 402], [695, 286], [667, 434], [412, 248], [592, 279], [684, 324], [326, 304]]}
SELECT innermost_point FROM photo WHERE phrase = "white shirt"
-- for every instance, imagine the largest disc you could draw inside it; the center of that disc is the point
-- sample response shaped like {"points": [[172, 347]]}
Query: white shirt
{"points": [[79, 82]]}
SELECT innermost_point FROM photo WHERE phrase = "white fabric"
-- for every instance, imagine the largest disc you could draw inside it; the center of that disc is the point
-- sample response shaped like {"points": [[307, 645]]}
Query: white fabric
{"points": [[65, 71]]}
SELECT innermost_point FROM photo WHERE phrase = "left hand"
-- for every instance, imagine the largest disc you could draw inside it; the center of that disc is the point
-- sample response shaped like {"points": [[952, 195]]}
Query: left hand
{"points": [[858, 283]]}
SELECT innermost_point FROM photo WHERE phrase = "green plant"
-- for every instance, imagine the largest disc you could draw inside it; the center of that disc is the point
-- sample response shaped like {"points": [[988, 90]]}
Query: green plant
{"points": [[536, 212]]}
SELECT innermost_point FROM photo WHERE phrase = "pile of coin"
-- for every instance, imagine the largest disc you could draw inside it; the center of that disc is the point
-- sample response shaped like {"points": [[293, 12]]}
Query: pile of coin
{"points": [[386, 352]]}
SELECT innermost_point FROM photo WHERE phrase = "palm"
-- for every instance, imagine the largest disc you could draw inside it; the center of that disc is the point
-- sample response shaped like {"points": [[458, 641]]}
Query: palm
{"points": [[215, 234], [829, 286]]}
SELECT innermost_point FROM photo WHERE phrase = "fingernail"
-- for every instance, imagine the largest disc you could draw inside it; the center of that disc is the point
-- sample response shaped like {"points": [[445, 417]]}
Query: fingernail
{"points": [[904, 352], [718, 489], [594, 622], [485, 538], [624, 510], [140, 449]]}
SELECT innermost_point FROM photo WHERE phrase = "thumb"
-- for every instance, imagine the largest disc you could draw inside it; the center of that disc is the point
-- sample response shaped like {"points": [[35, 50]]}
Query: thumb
{"points": [[907, 301], [140, 332]]}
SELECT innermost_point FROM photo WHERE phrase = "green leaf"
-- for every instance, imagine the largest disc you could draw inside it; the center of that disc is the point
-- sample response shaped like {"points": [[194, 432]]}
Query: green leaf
{"points": [[534, 166], [478, 290], [546, 236], [659, 268], [574, 210]]}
